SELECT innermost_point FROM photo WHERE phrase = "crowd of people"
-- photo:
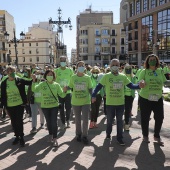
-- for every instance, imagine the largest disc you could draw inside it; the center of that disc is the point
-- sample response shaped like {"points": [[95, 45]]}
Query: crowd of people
{"points": [[82, 88]]}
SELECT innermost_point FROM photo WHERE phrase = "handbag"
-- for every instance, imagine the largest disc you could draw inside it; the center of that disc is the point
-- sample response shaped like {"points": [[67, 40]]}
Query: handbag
{"points": [[59, 104]]}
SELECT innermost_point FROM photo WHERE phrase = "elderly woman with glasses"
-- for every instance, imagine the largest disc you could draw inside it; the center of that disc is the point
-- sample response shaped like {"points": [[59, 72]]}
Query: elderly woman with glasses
{"points": [[95, 106], [151, 97]]}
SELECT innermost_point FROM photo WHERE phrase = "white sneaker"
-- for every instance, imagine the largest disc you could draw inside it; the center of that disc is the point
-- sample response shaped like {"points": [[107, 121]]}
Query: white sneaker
{"points": [[55, 143], [126, 127]]}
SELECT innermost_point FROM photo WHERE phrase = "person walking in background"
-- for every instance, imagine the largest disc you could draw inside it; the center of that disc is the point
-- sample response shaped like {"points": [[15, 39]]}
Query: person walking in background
{"points": [[129, 95], [81, 86], [35, 104], [63, 75], [151, 97], [13, 98], [95, 106], [49, 90]]}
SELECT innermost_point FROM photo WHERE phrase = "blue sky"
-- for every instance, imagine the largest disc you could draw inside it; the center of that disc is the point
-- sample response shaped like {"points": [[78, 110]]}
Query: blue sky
{"points": [[28, 12]]}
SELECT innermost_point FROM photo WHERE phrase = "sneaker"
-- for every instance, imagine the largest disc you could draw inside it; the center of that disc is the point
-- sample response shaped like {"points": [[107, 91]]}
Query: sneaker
{"points": [[55, 143], [159, 141], [126, 127], [42, 126], [146, 139], [68, 124], [22, 142], [16, 141], [120, 141], [78, 138], [34, 130], [85, 140], [63, 126], [107, 136]]}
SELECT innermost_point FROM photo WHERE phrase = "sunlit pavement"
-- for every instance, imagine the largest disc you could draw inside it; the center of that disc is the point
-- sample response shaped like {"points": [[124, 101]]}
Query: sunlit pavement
{"points": [[100, 154]]}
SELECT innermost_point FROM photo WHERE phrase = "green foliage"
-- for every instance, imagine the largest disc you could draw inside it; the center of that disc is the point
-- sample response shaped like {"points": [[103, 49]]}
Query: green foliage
{"points": [[167, 97]]}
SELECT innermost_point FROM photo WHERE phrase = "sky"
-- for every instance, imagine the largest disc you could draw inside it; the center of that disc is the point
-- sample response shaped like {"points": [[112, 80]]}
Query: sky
{"points": [[28, 12]]}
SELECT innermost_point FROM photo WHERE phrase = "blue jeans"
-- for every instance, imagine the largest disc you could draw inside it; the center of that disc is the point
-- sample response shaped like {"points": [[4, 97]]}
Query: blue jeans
{"points": [[51, 119], [113, 111]]}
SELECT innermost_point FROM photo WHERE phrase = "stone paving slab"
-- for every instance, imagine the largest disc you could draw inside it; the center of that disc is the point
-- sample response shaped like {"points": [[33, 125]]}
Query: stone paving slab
{"points": [[100, 154]]}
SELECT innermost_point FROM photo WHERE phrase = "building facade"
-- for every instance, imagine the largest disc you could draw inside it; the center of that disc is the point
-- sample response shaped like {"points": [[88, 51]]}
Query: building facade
{"points": [[73, 56], [98, 39], [6, 24], [147, 20]]}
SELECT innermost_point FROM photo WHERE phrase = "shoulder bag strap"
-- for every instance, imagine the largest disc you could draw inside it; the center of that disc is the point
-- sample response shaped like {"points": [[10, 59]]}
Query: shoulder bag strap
{"points": [[52, 93]]}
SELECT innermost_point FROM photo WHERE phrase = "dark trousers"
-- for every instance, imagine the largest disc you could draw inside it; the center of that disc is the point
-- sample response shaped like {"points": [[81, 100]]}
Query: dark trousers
{"points": [[113, 111], [16, 114], [104, 104], [128, 107], [65, 103], [95, 108], [51, 119], [146, 108], [28, 110]]}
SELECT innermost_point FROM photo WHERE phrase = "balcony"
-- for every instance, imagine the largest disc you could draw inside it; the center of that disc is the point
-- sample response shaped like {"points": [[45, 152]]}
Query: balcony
{"points": [[97, 43], [129, 38], [98, 35], [129, 49], [105, 53], [113, 43], [3, 49], [113, 35]]}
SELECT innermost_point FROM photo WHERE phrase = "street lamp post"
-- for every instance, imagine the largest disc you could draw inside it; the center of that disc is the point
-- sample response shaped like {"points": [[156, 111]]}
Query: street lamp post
{"points": [[15, 41], [60, 23]]}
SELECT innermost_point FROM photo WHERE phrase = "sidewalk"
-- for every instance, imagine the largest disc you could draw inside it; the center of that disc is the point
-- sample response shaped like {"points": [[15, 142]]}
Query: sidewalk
{"points": [[100, 154]]}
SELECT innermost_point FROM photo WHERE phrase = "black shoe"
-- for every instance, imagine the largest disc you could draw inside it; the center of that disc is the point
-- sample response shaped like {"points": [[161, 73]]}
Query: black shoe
{"points": [[107, 136], [78, 138], [22, 142], [85, 140], [16, 140], [120, 141]]}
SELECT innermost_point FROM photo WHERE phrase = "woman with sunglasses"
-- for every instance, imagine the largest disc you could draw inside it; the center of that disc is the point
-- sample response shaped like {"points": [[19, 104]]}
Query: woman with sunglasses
{"points": [[151, 97]]}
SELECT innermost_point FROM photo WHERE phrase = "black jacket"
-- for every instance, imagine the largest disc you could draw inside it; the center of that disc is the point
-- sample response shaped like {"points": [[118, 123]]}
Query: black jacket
{"points": [[20, 83]]}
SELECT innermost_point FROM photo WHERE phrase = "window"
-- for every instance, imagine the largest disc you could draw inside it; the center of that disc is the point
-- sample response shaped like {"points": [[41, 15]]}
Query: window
{"points": [[113, 32], [122, 41], [22, 44], [30, 59], [105, 41], [23, 51], [136, 24], [138, 7], [97, 32], [136, 45], [147, 27], [153, 3], [131, 10], [37, 59], [122, 50], [136, 35], [36, 44], [145, 5], [105, 32], [23, 59], [130, 47], [29, 51], [37, 51], [30, 44], [97, 49], [161, 2], [84, 32], [164, 24], [113, 41], [113, 50], [97, 41], [106, 49], [9, 45]]}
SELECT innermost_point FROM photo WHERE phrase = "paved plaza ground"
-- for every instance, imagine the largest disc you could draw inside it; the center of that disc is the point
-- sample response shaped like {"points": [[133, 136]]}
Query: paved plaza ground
{"points": [[100, 154]]}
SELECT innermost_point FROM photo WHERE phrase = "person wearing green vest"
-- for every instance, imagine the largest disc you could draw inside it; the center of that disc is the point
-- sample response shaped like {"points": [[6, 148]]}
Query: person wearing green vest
{"points": [[35, 104], [129, 95], [151, 97], [95, 106], [50, 90], [13, 98], [81, 86], [114, 83], [63, 75]]}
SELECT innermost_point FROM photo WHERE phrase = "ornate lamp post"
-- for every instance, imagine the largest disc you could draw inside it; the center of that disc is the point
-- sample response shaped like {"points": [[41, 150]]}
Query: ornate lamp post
{"points": [[15, 41]]}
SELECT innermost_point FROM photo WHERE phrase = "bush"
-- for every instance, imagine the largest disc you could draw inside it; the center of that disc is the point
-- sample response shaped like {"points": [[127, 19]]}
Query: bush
{"points": [[167, 97]]}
